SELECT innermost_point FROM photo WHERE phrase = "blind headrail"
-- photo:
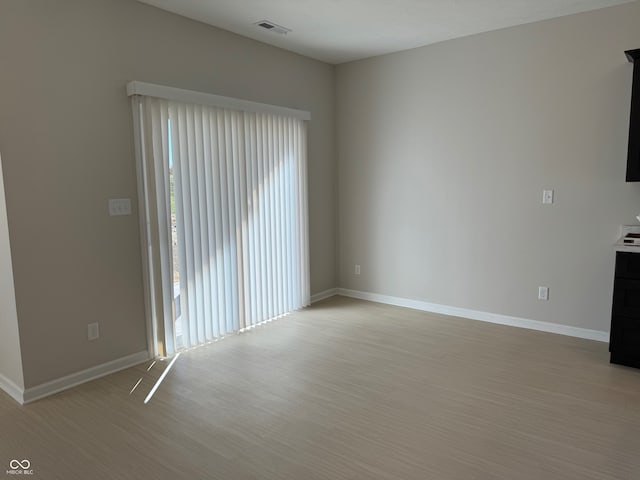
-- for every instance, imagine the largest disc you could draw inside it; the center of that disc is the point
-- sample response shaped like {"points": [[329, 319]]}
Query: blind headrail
{"points": [[201, 98]]}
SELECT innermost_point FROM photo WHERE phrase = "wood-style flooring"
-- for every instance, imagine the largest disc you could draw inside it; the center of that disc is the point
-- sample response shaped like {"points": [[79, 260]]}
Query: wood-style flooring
{"points": [[346, 389]]}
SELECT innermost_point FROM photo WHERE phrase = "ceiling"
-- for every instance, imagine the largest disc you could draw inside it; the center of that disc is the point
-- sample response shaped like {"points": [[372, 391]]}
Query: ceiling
{"points": [[337, 31]]}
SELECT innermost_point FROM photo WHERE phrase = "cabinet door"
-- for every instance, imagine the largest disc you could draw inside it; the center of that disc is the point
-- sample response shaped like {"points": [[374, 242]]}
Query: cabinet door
{"points": [[626, 297], [625, 341], [628, 265]]}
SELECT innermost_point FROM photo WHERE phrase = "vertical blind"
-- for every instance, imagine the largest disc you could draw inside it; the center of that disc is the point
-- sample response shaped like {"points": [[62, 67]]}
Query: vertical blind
{"points": [[239, 198]]}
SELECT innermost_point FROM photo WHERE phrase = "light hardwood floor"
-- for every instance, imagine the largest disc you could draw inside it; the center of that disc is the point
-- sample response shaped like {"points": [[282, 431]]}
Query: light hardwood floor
{"points": [[347, 389]]}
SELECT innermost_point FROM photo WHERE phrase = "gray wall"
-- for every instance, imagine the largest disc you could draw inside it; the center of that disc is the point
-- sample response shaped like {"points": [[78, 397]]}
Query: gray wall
{"points": [[444, 151], [67, 145], [10, 358]]}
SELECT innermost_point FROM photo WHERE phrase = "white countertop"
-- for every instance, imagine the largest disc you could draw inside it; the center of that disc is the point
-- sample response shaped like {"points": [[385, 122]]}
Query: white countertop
{"points": [[621, 247]]}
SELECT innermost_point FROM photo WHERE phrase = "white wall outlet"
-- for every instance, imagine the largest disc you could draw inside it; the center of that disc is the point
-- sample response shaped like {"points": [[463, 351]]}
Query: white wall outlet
{"points": [[119, 206], [543, 293], [93, 331], [356, 270], [547, 197]]}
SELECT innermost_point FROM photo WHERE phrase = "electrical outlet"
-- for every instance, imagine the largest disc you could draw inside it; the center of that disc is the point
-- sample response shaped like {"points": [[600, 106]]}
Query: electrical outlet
{"points": [[356, 270], [93, 331], [543, 293]]}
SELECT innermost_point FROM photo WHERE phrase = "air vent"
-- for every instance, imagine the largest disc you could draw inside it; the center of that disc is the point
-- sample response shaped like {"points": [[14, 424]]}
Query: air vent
{"points": [[272, 27]]}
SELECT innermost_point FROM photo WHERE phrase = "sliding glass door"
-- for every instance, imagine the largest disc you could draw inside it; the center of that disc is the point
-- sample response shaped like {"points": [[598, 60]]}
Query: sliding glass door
{"points": [[225, 199]]}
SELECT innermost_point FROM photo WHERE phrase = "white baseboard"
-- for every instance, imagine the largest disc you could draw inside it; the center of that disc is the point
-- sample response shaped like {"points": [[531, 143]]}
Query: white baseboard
{"points": [[49, 388], [322, 295], [11, 389], [478, 315]]}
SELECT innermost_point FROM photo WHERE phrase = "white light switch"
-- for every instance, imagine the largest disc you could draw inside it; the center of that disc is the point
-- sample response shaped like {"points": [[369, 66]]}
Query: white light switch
{"points": [[547, 197], [119, 206], [93, 331], [543, 293]]}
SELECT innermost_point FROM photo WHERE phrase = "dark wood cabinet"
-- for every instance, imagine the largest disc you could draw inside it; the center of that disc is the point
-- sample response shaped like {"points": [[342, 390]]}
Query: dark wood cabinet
{"points": [[624, 343], [633, 155]]}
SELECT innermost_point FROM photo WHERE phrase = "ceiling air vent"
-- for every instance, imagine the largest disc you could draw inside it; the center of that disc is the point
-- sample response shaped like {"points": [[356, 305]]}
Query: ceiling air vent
{"points": [[272, 27]]}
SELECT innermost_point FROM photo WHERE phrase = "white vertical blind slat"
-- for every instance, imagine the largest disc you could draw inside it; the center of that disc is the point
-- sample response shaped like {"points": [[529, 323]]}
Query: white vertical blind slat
{"points": [[217, 188], [227, 280], [183, 222], [288, 223], [258, 222], [239, 209], [279, 207], [202, 268], [208, 262], [264, 218], [233, 321], [244, 172], [254, 296], [159, 124], [303, 217]]}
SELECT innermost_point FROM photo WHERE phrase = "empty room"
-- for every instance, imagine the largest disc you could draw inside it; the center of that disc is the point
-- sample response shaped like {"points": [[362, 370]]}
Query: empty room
{"points": [[245, 239]]}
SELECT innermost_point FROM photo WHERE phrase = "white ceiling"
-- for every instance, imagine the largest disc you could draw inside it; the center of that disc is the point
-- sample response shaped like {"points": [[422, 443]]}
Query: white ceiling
{"points": [[338, 31]]}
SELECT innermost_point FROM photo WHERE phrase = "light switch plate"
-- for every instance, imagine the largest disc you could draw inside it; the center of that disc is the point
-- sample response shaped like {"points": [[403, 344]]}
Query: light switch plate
{"points": [[547, 197], [543, 293], [93, 331], [119, 206]]}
